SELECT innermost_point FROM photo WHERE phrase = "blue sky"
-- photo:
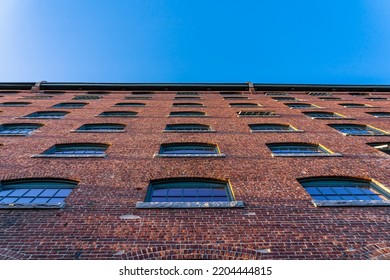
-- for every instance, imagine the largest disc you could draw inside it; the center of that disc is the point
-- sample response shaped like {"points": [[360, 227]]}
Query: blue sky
{"points": [[263, 41]]}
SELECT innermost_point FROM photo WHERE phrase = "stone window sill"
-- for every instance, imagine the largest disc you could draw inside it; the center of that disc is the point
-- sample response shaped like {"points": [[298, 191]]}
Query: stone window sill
{"points": [[304, 155], [68, 156], [331, 203], [214, 204], [276, 131], [32, 206]]}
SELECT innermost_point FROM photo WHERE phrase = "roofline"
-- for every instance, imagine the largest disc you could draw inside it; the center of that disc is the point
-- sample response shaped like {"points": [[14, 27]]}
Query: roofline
{"points": [[193, 86]]}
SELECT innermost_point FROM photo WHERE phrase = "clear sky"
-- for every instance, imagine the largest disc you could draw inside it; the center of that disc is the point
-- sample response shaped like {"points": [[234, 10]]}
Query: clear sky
{"points": [[263, 41]]}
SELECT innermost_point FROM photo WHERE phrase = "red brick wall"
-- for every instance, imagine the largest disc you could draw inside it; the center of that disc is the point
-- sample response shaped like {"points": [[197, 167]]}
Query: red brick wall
{"points": [[278, 220]]}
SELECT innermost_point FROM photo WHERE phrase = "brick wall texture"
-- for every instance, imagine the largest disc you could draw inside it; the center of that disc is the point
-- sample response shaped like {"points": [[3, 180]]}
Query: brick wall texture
{"points": [[278, 221]]}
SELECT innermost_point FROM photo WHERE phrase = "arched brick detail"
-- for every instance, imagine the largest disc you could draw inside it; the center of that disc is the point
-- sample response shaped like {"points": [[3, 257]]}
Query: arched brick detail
{"points": [[7, 254], [377, 251], [195, 252]]}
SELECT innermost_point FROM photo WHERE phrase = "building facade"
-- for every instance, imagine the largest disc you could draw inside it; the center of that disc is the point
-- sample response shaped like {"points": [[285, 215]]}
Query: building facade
{"points": [[194, 171]]}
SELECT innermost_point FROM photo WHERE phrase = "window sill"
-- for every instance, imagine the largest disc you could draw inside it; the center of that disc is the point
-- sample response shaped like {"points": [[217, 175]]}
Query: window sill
{"points": [[304, 155], [319, 203], [32, 206], [188, 131], [190, 155], [97, 131], [214, 204], [68, 156], [276, 131]]}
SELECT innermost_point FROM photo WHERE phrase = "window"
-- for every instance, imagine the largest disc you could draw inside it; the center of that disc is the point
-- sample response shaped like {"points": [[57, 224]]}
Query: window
{"points": [[358, 129], [276, 93], [187, 114], [299, 149], [300, 105], [189, 150], [47, 115], [190, 127], [324, 115], [86, 97], [329, 98], [320, 93], [189, 193], [15, 104], [187, 98], [35, 193], [70, 105], [18, 129], [235, 97], [187, 93], [344, 191], [285, 98], [76, 150], [384, 147], [187, 105], [380, 114], [118, 114], [246, 105], [273, 127], [354, 105], [127, 104], [101, 127], [256, 114]]}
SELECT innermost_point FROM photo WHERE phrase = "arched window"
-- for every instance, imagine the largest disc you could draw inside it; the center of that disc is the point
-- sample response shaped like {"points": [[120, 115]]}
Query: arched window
{"points": [[15, 104], [320, 93], [101, 127], [354, 105], [381, 146], [379, 114], [86, 97], [300, 105], [324, 115], [18, 129], [187, 127], [246, 105], [187, 114], [192, 104], [118, 114], [70, 105], [47, 115], [358, 129], [35, 192], [129, 104], [189, 150], [285, 98], [76, 150], [256, 114], [272, 127], [299, 149], [187, 97], [339, 191]]}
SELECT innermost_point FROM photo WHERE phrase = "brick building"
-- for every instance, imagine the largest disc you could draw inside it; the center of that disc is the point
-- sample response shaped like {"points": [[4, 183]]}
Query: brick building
{"points": [[194, 171]]}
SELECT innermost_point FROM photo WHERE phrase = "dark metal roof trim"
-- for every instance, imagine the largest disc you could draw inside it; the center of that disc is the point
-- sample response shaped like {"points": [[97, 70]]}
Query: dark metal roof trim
{"points": [[16, 86]]}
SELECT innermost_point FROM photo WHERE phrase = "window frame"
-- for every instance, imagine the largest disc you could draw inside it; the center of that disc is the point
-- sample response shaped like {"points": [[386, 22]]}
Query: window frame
{"points": [[335, 116], [29, 116], [51, 152], [37, 125], [131, 115], [231, 203], [51, 183], [68, 105], [378, 116], [129, 104], [15, 104], [311, 106], [292, 130], [366, 183], [216, 150], [187, 116], [271, 115], [188, 130], [383, 132], [380, 147], [325, 152], [80, 130]]}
